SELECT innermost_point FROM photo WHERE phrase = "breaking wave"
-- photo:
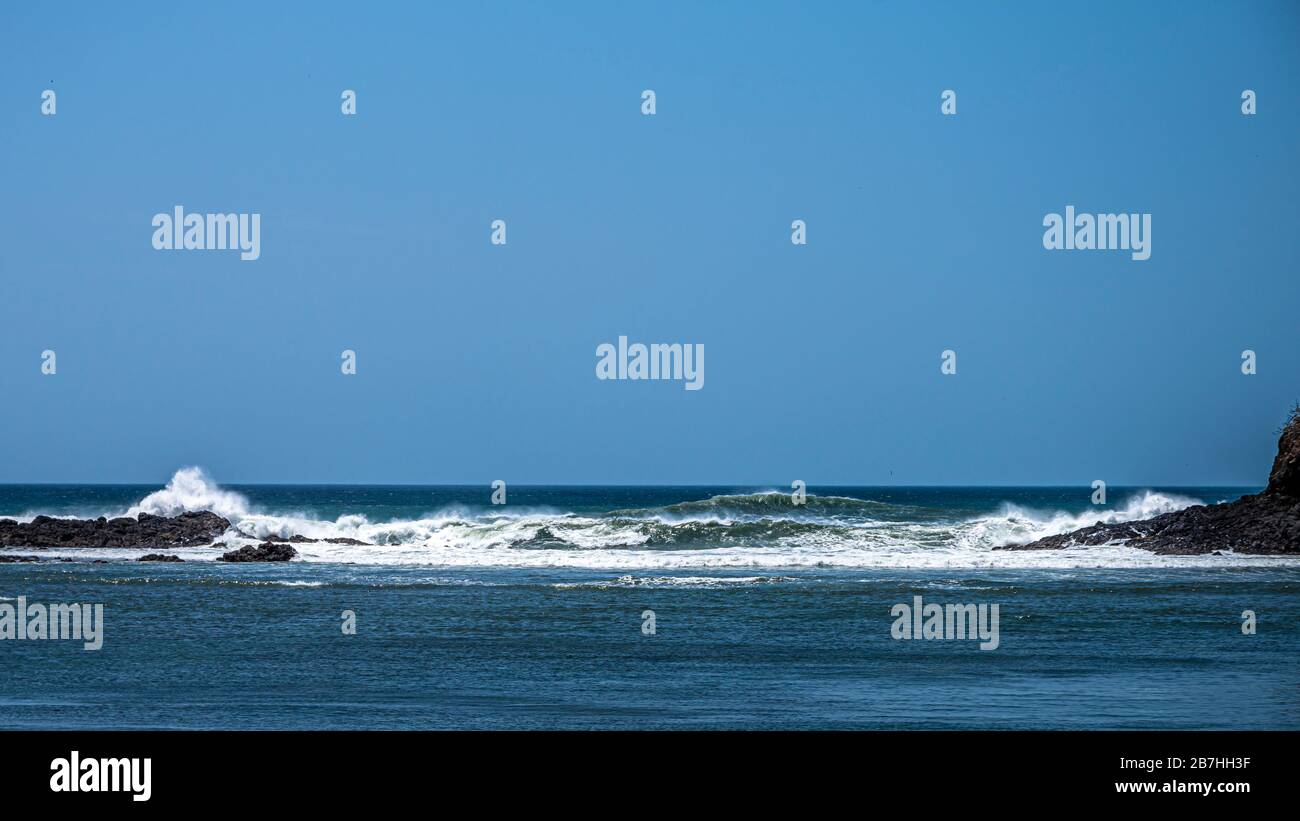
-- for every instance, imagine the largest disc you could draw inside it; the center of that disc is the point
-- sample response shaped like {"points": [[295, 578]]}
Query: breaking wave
{"points": [[1018, 525], [189, 491], [755, 530], [771, 503]]}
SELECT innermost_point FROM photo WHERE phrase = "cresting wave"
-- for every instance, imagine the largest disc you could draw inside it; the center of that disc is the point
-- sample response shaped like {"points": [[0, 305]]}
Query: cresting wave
{"points": [[189, 491], [755, 530]]}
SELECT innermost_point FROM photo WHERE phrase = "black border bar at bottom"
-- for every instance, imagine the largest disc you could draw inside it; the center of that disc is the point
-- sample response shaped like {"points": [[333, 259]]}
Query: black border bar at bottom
{"points": [[329, 769]]}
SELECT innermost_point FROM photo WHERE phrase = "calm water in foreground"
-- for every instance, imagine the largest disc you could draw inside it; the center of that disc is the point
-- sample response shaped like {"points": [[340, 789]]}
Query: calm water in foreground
{"points": [[767, 615]]}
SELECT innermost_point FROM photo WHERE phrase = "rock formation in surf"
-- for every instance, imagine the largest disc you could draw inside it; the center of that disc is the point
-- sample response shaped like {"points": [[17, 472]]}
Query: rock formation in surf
{"points": [[199, 529], [264, 552], [1266, 523], [147, 531]]}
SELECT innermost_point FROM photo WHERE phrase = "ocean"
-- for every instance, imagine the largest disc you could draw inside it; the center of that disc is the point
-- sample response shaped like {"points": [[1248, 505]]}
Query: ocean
{"points": [[649, 608]]}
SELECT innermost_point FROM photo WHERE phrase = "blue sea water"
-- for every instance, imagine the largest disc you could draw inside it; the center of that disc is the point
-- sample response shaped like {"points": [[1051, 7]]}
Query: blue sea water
{"points": [[766, 614]]}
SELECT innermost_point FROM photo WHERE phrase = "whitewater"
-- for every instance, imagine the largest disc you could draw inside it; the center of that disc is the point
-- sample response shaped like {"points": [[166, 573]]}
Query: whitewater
{"points": [[761, 530]]}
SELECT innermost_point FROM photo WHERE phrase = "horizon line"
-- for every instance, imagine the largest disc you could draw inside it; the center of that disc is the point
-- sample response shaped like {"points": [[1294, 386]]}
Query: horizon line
{"points": [[775, 488]]}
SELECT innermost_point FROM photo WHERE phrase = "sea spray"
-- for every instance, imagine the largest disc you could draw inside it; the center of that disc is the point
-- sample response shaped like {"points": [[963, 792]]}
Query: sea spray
{"points": [[190, 491], [647, 528]]}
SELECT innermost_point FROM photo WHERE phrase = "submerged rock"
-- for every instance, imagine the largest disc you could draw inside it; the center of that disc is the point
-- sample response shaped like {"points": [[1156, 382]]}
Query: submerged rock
{"points": [[185, 530], [159, 557], [1266, 523], [299, 539], [264, 552]]}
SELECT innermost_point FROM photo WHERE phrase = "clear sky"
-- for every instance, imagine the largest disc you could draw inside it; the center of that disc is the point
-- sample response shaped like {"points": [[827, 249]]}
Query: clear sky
{"points": [[477, 362]]}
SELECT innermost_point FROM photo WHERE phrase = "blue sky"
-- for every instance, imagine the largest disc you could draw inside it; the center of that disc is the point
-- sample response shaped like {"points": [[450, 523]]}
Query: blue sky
{"points": [[476, 362]]}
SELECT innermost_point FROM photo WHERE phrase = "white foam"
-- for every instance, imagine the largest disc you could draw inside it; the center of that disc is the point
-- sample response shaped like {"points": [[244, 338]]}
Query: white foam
{"points": [[1018, 525], [673, 581], [544, 538], [191, 491]]}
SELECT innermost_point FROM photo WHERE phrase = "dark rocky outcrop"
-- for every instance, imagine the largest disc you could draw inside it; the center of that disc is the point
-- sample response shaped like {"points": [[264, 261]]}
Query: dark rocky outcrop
{"points": [[1266, 523], [264, 552], [18, 559], [1284, 478], [297, 539], [185, 530]]}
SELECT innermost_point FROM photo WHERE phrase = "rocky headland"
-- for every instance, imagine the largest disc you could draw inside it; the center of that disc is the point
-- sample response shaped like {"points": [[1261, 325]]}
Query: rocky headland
{"points": [[147, 532], [1266, 523]]}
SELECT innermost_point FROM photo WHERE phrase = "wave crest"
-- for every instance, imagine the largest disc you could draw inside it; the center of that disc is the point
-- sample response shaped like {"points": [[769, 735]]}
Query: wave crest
{"points": [[1018, 525], [190, 491], [759, 530], [765, 503]]}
